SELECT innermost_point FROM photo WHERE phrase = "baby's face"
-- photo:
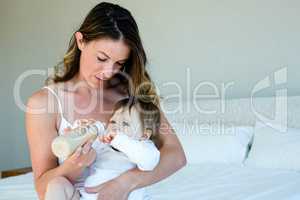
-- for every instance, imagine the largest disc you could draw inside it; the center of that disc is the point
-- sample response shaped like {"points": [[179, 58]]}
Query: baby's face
{"points": [[127, 122]]}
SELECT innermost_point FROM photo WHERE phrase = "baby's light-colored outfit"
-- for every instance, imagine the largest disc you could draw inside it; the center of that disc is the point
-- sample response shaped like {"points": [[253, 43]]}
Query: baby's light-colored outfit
{"points": [[111, 163]]}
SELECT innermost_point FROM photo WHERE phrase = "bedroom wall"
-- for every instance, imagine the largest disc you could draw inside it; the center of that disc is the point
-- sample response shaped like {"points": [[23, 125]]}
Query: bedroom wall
{"points": [[234, 43]]}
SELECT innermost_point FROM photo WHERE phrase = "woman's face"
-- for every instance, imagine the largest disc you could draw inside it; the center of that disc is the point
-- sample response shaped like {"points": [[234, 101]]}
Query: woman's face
{"points": [[101, 59]]}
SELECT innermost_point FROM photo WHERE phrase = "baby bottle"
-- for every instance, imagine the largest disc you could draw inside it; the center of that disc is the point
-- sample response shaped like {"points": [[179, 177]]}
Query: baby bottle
{"points": [[65, 145]]}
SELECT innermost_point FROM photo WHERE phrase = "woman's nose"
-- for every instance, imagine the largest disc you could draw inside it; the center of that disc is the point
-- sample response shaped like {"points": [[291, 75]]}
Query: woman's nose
{"points": [[108, 71]]}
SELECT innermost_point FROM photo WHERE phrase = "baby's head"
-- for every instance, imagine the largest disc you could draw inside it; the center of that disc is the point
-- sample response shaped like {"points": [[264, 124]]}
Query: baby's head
{"points": [[135, 118]]}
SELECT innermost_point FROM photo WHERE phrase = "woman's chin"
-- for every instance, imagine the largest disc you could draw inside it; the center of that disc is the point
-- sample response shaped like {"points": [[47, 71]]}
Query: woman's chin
{"points": [[97, 84], [93, 84]]}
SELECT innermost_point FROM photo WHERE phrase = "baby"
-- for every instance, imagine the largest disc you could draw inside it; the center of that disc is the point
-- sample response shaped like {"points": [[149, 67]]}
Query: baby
{"points": [[131, 141]]}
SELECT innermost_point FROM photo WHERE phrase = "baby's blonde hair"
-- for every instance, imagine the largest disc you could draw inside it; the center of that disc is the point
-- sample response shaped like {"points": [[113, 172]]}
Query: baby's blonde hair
{"points": [[149, 114]]}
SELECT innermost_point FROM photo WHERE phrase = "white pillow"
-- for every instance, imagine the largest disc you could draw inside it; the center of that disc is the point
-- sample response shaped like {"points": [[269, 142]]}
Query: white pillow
{"points": [[274, 149], [214, 143]]}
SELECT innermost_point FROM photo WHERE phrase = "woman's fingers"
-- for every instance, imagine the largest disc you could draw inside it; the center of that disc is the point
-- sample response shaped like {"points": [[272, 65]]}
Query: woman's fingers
{"points": [[90, 157], [84, 155], [94, 189], [86, 147], [75, 156], [110, 190]]}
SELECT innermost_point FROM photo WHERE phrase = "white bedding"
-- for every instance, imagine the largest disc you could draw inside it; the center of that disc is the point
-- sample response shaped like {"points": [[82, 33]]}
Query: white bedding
{"points": [[197, 182]]}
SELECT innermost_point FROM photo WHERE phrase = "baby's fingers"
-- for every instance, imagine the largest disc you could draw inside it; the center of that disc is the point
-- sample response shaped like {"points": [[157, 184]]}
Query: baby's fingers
{"points": [[106, 139], [103, 139], [67, 130]]}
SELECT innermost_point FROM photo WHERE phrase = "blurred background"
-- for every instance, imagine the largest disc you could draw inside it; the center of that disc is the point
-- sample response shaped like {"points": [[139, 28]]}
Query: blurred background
{"points": [[187, 43]]}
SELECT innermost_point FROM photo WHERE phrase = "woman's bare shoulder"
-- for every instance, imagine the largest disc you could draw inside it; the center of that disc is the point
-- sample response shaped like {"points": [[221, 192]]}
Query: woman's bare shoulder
{"points": [[40, 99]]}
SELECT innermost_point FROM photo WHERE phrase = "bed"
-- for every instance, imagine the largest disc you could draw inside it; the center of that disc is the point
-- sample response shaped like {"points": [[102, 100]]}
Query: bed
{"points": [[203, 182], [253, 162]]}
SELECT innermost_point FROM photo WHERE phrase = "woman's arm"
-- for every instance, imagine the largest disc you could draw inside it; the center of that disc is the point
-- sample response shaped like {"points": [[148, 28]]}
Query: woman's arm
{"points": [[172, 158], [41, 130]]}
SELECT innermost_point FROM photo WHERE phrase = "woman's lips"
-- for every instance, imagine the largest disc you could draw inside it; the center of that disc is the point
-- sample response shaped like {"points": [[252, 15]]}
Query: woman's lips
{"points": [[100, 78]]}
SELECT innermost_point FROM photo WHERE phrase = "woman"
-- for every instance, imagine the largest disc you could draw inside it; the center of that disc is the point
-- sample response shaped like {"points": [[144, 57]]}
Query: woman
{"points": [[105, 62]]}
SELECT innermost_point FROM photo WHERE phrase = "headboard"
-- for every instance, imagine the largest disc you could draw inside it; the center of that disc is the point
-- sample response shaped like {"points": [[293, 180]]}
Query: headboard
{"points": [[243, 111]]}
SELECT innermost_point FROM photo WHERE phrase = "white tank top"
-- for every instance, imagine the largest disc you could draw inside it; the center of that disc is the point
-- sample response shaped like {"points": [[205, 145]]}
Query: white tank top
{"points": [[64, 123]]}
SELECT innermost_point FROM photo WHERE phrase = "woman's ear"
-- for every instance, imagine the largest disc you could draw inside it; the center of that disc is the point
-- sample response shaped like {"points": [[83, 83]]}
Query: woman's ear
{"points": [[79, 40]]}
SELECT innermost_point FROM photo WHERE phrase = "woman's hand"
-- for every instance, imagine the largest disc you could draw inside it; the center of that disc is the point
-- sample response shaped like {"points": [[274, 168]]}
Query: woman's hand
{"points": [[115, 189], [83, 157], [74, 165]]}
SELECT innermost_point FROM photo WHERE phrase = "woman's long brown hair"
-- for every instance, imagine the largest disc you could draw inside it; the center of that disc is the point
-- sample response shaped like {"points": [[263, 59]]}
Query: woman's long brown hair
{"points": [[107, 20]]}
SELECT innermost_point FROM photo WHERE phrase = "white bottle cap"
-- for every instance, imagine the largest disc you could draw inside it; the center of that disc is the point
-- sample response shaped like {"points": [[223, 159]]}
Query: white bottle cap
{"points": [[100, 127]]}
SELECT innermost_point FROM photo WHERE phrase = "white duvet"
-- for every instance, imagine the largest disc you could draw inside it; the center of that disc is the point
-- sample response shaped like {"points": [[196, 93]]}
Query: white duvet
{"points": [[196, 182]]}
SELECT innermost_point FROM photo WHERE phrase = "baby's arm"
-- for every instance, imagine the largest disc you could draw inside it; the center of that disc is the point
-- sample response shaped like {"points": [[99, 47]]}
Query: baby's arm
{"points": [[144, 153]]}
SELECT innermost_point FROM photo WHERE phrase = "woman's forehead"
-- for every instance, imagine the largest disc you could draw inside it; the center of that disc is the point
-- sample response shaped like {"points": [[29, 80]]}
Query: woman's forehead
{"points": [[115, 49]]}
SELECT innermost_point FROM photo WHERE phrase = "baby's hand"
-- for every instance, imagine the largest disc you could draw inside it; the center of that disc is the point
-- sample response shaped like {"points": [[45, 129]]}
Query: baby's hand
{"points": [[107, 138]]}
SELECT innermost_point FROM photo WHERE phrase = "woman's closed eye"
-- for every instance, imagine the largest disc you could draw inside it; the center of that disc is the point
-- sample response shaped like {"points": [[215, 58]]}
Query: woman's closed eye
{"points": [[105, 59], [121, 64], [101, 59]]}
